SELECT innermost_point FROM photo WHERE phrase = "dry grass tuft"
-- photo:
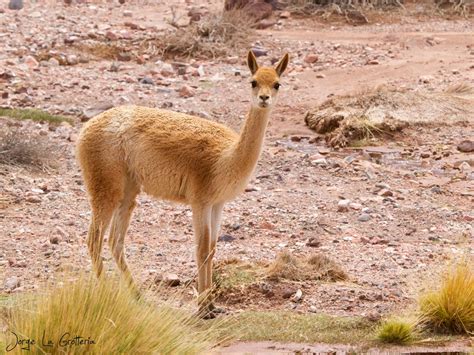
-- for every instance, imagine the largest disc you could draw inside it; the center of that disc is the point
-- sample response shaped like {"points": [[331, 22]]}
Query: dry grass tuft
{"points": [[232, 274], [450, 309], [396, 331], [18, 147], [100, 50], [384, 110], [106, 313], [316, 267], [211, 37]]}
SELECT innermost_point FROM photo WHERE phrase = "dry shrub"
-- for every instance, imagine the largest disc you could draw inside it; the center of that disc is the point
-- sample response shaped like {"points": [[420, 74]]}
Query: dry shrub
{"points": [[214, 36], [315, 267], [108, 314], [383, 110], [450, 308], [18, 147], [232, 274], [107, 51]]}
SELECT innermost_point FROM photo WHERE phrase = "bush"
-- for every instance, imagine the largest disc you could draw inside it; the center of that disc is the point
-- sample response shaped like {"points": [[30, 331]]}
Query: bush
{"points": [[18, 147], [396, 331], [109, 320], [316, 267], [450, 309]]}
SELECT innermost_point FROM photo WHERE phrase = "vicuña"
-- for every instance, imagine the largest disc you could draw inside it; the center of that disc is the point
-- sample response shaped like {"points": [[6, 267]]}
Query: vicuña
{"points": [[172, 156]]}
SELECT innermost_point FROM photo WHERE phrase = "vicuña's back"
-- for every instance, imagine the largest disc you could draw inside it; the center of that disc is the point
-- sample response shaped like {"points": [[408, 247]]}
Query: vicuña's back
{"points": [[171, 156]]}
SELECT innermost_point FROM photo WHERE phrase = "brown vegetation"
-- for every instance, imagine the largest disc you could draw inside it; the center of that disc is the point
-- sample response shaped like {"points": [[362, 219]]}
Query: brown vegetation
{"points": [[211, 37], [315, 267]]}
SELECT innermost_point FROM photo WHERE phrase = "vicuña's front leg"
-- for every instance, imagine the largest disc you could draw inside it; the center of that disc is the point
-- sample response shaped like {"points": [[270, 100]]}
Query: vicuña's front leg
{"points": [[202, 231], [216, 217]]}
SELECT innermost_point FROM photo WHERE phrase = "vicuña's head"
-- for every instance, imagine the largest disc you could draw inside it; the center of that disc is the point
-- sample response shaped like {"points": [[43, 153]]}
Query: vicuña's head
{"points": [[265, 81]]}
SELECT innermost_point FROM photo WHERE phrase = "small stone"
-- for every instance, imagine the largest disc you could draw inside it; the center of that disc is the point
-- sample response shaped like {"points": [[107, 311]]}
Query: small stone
{"points": [[15, 4], [124, 57], [364, 217], [259, 52], [311, 58], [313, 309], [266, 23], [54, 239], [313, 242], [11, 283], [385, 193], [425, 155], [343, 205], [172, 280], [93, 111], [355, 206], [320, 162], [466, 146], [320, 76], [53, 62], [425, 79], [232, 60], [127, 13], [111, 36], [285, 14], [373, 62], [33, 199], [167, 70], [287, 293], [227, 238], [186, 91], [366, 210], [72, 59], [147, 81], [298, 296], [31, 62]]}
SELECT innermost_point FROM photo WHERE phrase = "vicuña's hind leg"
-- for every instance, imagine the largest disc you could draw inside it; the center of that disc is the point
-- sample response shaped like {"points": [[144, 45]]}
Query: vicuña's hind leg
{"points": [[99, 222], [118, 230]]}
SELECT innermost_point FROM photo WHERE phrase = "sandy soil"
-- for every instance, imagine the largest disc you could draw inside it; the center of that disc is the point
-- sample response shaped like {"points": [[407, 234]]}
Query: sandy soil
{"points": [[412, 195]]}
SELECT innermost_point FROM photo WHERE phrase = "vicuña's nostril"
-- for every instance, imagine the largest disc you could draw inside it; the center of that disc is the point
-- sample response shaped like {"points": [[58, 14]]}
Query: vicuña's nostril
{"points": [[264, 97]]}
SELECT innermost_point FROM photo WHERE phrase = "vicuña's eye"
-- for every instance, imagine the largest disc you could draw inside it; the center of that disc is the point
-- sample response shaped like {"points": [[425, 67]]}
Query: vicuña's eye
{"points": [[276, 86], [254, 83]]}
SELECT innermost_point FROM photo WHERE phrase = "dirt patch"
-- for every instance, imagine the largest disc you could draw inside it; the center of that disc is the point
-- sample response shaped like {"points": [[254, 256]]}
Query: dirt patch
{"points": [[383, 110]]}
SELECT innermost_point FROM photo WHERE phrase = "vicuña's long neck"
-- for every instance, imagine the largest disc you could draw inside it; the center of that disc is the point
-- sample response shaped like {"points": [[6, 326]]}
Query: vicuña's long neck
{"points": [[247, 150]]}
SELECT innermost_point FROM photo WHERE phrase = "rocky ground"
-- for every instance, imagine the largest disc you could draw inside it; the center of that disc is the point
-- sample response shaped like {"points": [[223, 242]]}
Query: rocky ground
{"points": [[391, 215]]}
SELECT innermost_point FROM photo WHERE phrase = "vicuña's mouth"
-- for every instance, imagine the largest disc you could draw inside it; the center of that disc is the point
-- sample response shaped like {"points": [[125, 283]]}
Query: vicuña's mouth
{"points": [[263, 104]]}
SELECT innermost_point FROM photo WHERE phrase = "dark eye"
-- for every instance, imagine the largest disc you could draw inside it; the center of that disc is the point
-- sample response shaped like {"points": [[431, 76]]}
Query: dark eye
{"points": [[254, 83], [276, 86]]}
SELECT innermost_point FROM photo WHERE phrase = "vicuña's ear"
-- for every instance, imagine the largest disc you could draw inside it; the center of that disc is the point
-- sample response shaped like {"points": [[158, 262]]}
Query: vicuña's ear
{"points": [[252, 62], [282, 64]]}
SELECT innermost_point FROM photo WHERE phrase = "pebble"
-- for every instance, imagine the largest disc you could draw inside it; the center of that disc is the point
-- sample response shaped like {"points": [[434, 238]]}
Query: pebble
{"points": [[285, 14], [313, 242], [11, 283], [127, 13], [320, 76], [343, 205], [54, 239], [466, 146], [311, 58], [147, 81], [31, 62], [364, 217], [355, 206], [227, 238], [385, 193], [33, 199], [320, 162], [298, 296], [259, 52], [186, 91], [15, 4], [172, 280]]}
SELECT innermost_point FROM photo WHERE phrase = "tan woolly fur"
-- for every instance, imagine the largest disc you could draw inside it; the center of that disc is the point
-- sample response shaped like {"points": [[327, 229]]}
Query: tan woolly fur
{"points": [[176, 157]]}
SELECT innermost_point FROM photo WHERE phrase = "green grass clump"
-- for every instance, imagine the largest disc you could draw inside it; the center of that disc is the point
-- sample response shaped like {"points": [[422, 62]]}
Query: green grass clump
{"points": [[106, 313], [450, 309], [32, 114], [303, 328], [396, 331]]}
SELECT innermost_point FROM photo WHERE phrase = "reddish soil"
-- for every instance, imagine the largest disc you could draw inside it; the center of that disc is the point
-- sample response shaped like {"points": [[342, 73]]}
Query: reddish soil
{"points": [[414, 191]]}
